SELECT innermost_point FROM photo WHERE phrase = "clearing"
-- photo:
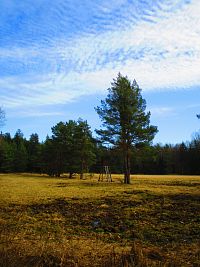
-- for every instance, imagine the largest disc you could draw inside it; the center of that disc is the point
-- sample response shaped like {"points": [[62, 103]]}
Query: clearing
{"points": [[71, 222]]}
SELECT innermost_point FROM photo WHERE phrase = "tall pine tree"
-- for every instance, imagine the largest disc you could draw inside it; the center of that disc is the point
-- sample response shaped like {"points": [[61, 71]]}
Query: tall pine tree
{"points": [[125, 122]]}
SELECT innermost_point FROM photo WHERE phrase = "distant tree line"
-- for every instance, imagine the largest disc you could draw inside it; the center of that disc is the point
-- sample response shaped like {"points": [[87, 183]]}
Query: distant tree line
{"points": [[72, 149]]}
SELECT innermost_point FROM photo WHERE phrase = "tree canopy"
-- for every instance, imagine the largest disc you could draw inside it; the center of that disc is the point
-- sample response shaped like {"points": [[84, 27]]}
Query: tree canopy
{"points": [[73, 148]]}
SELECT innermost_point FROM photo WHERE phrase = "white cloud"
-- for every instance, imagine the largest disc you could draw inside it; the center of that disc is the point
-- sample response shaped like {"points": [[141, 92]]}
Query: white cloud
{"points": [[167, 52], [162, 55], [162, 111], [33, 113]]}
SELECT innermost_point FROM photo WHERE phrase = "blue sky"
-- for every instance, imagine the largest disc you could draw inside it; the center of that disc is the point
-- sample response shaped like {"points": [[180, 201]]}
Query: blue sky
{"points": [[57, 59]]}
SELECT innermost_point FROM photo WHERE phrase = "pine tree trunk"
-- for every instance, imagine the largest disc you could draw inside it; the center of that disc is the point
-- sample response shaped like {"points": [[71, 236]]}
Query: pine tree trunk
{"points": [[81, 173], [127, 166]]}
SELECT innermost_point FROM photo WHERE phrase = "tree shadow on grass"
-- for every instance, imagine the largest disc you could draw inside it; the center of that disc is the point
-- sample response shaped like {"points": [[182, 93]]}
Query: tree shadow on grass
{"points": [[153, 218]]}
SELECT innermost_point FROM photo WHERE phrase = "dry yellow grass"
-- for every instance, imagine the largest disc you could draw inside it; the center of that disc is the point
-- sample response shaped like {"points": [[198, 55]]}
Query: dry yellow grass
{"points": [[71, 222]]}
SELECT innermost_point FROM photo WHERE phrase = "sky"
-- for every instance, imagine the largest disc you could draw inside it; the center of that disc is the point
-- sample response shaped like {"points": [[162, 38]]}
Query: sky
{"points": [[58, 58]]}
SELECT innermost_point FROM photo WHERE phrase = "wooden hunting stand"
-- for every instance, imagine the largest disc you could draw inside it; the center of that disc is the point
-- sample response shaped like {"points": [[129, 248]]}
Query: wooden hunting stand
{"points": [[105, 173]]}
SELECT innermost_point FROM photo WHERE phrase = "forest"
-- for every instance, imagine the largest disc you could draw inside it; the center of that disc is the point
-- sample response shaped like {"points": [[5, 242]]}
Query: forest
{"points": [[84, 153]]}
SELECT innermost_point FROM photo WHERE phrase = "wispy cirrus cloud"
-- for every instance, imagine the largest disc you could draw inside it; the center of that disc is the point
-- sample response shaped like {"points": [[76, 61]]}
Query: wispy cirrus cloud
{"points": [[34, 113], [163, 111], [55, 55]]}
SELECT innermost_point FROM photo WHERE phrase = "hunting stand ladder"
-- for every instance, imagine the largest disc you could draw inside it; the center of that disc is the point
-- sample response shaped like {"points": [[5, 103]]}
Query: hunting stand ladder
{"points": [[105, 173]]}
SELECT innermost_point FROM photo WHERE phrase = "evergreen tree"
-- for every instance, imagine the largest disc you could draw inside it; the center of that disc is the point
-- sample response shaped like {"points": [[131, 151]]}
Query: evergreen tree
{"points": [[84, 147], [50, 158], [6, 157], [20, 153], [182, 161], [63, 140], [194, 154], [124, 119], [6, 153], [71, 148], [34, 154]]}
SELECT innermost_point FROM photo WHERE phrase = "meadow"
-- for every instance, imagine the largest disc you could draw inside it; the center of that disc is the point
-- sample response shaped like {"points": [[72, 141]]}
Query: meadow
{"points": [[45, 221]]}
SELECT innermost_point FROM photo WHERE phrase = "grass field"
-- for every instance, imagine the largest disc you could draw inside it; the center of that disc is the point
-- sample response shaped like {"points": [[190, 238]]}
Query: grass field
{"points": [[45, 221]]}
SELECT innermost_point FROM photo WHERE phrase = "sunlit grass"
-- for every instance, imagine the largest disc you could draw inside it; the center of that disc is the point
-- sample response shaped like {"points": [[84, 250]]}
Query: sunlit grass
{"points": [[84, 220], [26, 188]]}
